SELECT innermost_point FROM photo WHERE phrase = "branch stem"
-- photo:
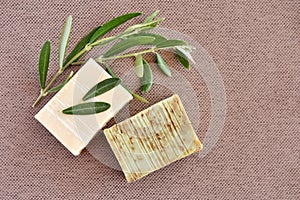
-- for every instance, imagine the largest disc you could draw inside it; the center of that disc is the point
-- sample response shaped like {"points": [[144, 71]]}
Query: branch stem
{"points": [[152, 50], [87, 48]]}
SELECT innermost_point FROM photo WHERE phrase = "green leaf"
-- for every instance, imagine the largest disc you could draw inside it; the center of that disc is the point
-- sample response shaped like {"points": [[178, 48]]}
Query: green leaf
{"points": [[170, 43], [111, 25], [44, 63], [162, 65], [102, 87], [138, 66], [128, 43], [87, 108], [134, 95], [151, 17], [147, 79], [158, 38], [182, 59], [64, 38], [186, 53], [80, 45], [58, 87], [144, 26], [138, 97]]}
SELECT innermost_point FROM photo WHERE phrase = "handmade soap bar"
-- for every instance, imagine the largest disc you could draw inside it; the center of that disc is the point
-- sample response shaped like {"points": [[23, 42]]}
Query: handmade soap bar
{"points": [[76, 131], [153, 138]]}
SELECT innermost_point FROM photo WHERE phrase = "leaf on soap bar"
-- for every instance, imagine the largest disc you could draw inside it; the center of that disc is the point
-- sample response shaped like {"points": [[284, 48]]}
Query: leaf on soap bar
{"points": [[102, 87], [138, 66], [162, 65], [44, 63], [170, 43], [61, 85], [128, 43], [87, 108], [147, 79], [64, 38], [81, 45], [111, 25]]}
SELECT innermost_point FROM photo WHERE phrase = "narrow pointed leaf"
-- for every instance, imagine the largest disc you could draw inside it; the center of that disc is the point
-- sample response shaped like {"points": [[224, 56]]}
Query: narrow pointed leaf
{"points": [[158, 38], [139, 98], [170, 43], [87, 108], [44, 63], [162, 65], [102, 87], [138, 66], [186, 53], [147, 79], [107, 27], [144, 26], [182, 59], [128, 43], [64, 38], [81, 45], [58, 87], [151, 17]]}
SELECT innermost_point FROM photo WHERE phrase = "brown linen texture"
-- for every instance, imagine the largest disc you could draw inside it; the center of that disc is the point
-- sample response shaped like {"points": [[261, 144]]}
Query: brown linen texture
{"points": [[256, 46]]}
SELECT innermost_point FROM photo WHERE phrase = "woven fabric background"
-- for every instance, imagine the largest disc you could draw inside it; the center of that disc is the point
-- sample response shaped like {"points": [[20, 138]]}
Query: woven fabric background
{"points": [[256, 46]]}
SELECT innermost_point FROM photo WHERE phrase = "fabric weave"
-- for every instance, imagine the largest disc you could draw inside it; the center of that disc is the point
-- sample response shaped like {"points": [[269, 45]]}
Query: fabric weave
{"points": [[256, 46]]}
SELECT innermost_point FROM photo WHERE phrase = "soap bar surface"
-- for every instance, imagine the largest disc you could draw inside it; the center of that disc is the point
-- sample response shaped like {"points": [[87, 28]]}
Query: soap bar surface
{"points": [[76, 131], [153, 138]]}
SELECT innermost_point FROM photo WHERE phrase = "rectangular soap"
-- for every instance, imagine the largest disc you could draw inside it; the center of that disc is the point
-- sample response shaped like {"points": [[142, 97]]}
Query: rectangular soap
{"points": [[76, 131], [153, 138]]}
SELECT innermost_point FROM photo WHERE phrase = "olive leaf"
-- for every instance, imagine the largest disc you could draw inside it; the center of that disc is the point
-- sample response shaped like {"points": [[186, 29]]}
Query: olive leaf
{"points": [[134, 95], [128, 43], [151, 17], [138, 66], [139, 98], [61, 85], [183, 60], [186, 53], [158, 38], [63, 43], [87, 108], [183, 57], [81, 45], [147, 79], [170, 43], [144, 26], [111, 25], [101, 88], [44, 63], [162, 65]]}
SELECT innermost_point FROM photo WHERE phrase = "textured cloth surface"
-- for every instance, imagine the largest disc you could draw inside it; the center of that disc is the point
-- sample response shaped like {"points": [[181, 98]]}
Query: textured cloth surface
{"points": [[256, 46]]}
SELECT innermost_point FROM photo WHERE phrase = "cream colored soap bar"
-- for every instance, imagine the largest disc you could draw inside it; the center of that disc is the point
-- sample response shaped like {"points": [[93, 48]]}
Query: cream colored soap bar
{"points": [[76, 131], [153, 138]]}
